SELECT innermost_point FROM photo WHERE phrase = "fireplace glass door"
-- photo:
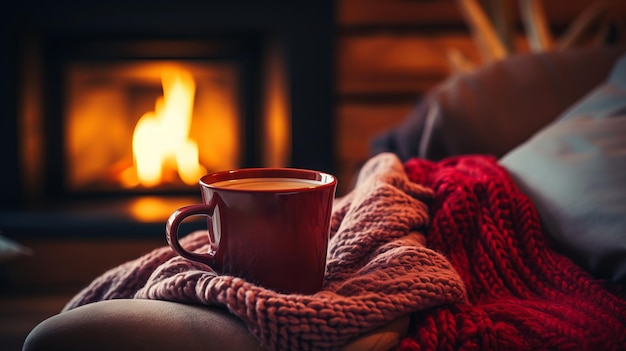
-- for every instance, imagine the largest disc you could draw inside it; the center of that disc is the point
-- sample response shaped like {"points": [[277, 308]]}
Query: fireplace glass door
{"points": [[149, 124]]}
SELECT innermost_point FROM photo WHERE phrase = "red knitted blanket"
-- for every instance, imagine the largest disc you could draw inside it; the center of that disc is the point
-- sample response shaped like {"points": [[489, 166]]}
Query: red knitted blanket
{"points": [[522, 295]]}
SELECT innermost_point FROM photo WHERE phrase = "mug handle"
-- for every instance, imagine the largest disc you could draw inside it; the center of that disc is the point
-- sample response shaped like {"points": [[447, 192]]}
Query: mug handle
{"points": [[171, 232]]}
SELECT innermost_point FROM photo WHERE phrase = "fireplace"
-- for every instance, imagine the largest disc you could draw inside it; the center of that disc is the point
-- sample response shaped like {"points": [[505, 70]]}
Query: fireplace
{"points": [[115, 110], [141, 123]]}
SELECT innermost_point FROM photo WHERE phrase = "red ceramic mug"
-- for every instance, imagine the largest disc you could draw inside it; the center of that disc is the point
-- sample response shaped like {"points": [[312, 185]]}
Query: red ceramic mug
{"points": [[269, 226]]}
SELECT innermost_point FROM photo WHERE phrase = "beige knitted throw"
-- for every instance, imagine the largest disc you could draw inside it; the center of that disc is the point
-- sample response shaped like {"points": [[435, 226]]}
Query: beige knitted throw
{"points": [[378, 270]]}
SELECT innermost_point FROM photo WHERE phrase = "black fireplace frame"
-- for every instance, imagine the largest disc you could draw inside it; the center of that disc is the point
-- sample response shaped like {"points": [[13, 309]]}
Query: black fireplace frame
{"points": [[245, 51], [304, 31]]}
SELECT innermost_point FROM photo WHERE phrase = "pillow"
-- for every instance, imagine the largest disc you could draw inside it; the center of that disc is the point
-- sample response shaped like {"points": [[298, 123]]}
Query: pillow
{"points": [[498, 106], [574, 170]]}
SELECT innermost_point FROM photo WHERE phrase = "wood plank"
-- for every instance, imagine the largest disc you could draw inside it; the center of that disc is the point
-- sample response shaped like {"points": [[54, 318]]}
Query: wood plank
{"points": [[360, 123], [357, 125], [396, 64], [397, 12], [436, 13]]}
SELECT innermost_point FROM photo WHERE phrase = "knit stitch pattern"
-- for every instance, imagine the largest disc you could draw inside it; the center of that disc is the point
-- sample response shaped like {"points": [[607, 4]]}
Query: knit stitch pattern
{"points": [[378, 269], [521, 293]]}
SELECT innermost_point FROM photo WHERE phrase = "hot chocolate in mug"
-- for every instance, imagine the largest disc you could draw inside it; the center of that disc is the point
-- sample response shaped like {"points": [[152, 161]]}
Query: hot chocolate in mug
{"points": [[269, 226]]}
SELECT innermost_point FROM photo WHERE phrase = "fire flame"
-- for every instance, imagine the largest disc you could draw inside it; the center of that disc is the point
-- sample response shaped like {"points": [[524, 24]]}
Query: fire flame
{"points": [[161, 140]]}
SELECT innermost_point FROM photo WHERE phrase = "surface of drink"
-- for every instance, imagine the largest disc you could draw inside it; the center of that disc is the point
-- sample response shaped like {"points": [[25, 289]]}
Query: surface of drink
{"points": [[267, 183]]}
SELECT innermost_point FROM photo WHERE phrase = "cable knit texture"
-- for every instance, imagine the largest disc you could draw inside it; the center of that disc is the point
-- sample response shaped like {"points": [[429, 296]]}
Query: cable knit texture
{"points": [[521, 294], [378, 269], [487, 280]]}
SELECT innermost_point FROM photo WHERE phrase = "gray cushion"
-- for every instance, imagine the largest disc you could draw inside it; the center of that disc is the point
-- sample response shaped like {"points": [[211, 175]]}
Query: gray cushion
{"points": [[574, 170]]}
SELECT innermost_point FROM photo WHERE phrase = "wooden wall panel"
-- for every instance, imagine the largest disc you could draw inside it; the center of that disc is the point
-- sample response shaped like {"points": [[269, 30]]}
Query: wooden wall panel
{"points": [[357, 125], [390, 52]]}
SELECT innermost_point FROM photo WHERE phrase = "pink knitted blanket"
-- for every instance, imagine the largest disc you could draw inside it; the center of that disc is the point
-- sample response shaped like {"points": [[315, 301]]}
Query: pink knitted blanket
{"points": [[378, 270]]}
